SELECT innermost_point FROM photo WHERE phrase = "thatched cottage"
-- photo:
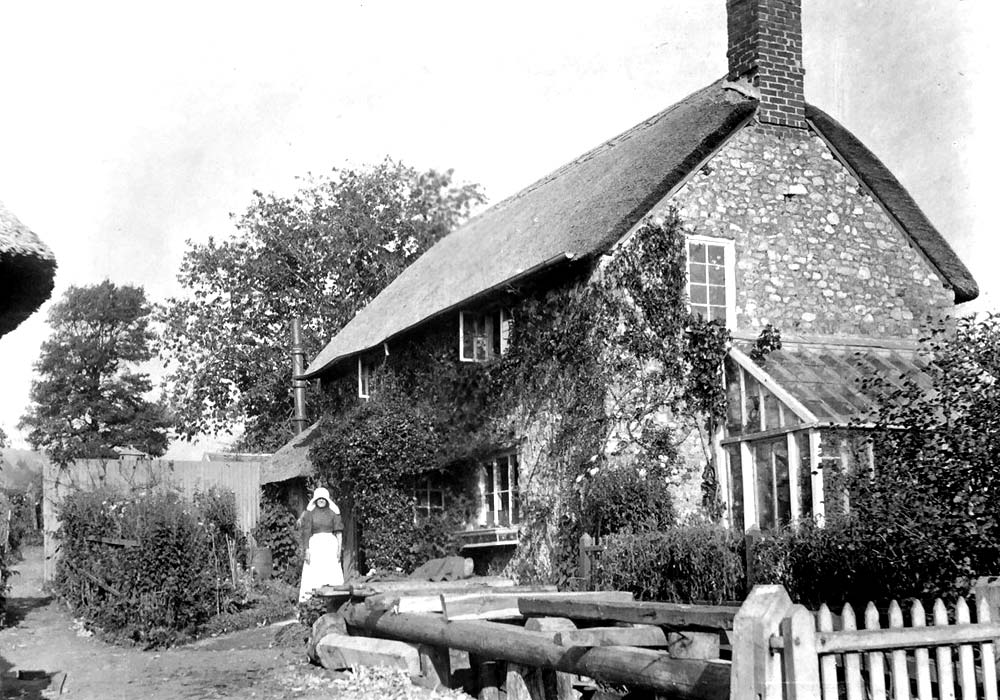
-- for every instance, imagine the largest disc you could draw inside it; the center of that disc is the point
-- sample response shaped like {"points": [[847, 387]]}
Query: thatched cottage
{"points": [[791, 222]]}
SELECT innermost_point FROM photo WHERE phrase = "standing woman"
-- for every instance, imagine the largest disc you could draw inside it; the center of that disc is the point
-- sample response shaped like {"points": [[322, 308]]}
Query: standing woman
{"points": [[322, 541]]}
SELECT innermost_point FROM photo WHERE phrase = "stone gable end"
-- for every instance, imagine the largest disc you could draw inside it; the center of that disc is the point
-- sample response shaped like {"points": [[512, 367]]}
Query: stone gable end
{"points": [[815, 253]]}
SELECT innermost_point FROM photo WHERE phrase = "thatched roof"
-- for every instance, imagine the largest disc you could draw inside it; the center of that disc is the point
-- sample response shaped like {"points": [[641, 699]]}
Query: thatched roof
{"points": [[898, 202], [27, 271], [292, 460], [575, 212], [582, 208]]}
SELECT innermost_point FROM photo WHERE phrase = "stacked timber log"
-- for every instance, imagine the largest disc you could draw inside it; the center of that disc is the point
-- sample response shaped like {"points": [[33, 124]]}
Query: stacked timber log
{"points": [[491, 636]]}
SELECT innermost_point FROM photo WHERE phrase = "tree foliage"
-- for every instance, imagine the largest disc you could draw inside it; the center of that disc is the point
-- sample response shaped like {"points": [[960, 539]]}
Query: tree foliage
{"points": [[89, 396], [934, 500], [320, 254]]}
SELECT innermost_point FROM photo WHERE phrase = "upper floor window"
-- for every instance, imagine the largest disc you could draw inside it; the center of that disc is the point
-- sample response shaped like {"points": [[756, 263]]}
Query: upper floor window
{"points": [[711, 271], [367, 367], [483, 336], [500, 491]]}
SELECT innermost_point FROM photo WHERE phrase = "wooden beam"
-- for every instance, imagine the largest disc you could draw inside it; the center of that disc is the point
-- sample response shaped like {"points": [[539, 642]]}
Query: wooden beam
{"points": [[338, 651], [114, 541], [420, 601], [683, 678], [816, 474], [503, 606], [794, 466], [644, 636], [671, 615], [748, 473], [369, 588], [768, 382]]}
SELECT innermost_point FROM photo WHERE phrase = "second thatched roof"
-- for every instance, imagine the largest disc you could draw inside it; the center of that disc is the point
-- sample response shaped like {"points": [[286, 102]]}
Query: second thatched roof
{"points": [[27, 271]]}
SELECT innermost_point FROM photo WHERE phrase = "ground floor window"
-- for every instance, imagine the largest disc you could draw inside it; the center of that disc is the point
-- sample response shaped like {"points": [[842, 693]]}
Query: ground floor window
{"points": [[428, 495], [499, 491]]}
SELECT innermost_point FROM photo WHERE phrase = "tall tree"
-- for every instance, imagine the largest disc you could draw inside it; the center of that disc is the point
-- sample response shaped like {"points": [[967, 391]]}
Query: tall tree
{"points": [[89, 396], [320, 254]]}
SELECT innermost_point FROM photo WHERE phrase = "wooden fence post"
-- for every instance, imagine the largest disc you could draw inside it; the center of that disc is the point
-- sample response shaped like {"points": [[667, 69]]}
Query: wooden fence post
{"points": [[586, 565], [756, 671], [988, 588], [801, 671]]}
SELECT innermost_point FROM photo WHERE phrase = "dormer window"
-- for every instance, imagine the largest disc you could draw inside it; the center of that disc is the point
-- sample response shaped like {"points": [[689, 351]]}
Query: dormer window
{"points": [[483, 336], [711, 269]]}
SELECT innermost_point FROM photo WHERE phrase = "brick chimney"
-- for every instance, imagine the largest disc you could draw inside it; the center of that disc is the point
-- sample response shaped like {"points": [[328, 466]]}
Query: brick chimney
{"points": [[765, 47]]}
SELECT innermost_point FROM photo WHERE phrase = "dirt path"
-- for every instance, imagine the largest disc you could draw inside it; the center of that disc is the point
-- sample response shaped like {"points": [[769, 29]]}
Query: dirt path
{"points": [[42, 640]]}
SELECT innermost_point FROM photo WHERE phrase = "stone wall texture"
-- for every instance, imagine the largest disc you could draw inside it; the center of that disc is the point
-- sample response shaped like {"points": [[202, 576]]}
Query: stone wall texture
{"points": [[815, 253]]}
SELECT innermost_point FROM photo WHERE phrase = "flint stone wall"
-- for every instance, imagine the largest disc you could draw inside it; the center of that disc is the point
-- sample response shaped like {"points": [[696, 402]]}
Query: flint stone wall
{"points": [[825, 261]]}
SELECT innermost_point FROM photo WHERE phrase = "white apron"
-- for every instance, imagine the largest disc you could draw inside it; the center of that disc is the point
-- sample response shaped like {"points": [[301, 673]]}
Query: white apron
{"points": [[323, 567]]}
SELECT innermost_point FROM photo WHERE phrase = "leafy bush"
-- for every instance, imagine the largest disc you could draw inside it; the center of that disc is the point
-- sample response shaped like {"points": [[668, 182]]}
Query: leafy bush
{"points": [[5, 573], [160, 591], [22, 521], [934, 498], [278, 531], [680, 564], [625, 499], [310, 610], [393, 540], [855, 560], [270, 601]]}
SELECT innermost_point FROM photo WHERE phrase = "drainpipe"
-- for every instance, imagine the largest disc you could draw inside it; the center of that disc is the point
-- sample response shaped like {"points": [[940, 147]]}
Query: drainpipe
{"points": [[298, 385]]}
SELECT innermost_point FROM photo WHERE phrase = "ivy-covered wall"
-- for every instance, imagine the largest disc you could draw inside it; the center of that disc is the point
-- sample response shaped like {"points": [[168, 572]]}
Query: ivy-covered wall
{"points": [[815, 253], [609, 390]]}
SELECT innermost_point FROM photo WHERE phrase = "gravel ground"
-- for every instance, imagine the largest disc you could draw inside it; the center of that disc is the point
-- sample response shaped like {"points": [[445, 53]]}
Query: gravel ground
{"points": [[46, 644]]}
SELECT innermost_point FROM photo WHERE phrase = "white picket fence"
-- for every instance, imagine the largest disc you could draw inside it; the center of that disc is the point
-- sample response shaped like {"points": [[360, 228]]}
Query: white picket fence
{"points": [[783, 651]]}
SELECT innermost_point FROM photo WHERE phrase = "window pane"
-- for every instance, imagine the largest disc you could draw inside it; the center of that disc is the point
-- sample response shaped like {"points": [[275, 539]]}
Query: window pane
{"points": [[468, 336], [497, 332], [765, 484], [771, 415], [735, 486], [753, 405], [699, 295], [784, 493], [700, 310], [697, 274], [504, 473], [717, 275], [716, 254], [717, 313], [717, 296], [436, 499], [696, 252], [505, 508], [734, 416]]}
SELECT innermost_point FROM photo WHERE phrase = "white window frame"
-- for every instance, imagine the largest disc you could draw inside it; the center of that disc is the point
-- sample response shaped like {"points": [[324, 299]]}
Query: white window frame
{"points": [[366, 370], [427, 485], [492, 494], [489, 319], [729, 262]]}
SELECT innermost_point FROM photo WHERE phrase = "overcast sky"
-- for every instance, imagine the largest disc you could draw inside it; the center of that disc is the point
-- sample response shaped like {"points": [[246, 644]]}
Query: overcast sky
{"points": [[126, 129]]}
